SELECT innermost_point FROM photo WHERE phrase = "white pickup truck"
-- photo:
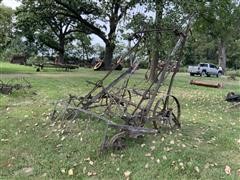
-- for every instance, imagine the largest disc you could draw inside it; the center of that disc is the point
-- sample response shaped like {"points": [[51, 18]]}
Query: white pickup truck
{"points": [[205, 69]]}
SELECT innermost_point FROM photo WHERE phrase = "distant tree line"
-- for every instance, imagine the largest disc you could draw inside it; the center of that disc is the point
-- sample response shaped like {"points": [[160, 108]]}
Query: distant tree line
{"points": [[64, 27]]}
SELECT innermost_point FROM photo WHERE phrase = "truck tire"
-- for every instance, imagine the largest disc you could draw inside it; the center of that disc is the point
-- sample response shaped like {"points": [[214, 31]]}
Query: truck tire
{"points": [[203, 73], [191, 74], [219, 74]]}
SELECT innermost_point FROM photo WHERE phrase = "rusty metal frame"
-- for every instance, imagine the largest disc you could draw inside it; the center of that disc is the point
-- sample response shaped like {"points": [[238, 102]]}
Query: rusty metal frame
{"points": [[159, 112]]}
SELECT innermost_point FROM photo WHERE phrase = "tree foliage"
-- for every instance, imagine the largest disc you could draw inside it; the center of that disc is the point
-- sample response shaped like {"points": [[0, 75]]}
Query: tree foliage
{"points": [[98, 17], [6, 31], [65, 26], [42, 22]]}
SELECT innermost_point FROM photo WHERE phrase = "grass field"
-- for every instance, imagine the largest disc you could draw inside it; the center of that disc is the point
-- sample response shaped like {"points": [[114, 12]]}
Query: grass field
{"points": [[32, 146]]}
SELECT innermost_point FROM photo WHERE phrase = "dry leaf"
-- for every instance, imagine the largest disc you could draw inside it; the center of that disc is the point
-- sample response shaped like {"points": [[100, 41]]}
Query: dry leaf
{"points": [[91, 174], [181, 165], [238, 172], [152, 148], [227, 170], [158, 161], [70, 172], [172, 142], [147, 165], [142, 145], [113, 155], [148, 155], [238, 141], [127, 174], [165, 157], [63, 171], [28, 170], [87, 159], [197, 169], [207, 166], [84, 170], [91, 163]]}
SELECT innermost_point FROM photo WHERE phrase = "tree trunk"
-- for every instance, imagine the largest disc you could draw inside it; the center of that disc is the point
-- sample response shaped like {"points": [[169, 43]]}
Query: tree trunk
{"points": [[61, 57], [61, 50], [157, 41], [108, 55], [222, 57]]}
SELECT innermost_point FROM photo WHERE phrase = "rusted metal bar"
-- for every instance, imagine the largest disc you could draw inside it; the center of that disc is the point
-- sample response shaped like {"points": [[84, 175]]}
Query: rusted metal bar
{"points": [[131, 129]]}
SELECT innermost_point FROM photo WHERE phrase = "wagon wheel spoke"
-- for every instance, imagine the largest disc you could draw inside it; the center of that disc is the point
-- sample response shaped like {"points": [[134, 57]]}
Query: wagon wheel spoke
{"points": [[167, 113], [117, 141]]}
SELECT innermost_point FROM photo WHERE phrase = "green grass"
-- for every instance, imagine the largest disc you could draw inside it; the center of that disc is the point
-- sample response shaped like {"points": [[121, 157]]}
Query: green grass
{"points": [[14, 68], [207, 141]]}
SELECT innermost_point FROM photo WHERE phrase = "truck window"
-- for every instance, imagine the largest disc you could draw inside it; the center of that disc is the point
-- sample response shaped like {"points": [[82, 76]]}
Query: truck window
{"points": [[213, 66], [203, 65]]}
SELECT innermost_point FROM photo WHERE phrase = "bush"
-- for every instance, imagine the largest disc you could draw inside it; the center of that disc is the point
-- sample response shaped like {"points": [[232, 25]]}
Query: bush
{"points": [[235, 73], [143, 65], [36, 60]]}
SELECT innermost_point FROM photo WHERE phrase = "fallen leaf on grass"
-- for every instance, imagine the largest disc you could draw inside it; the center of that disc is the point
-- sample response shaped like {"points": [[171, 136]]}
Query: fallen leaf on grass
{"points": [[87, 159], [227, 170], [84, 170], [91, 174], [197, 169], [70, 172], [148, 155], [91, 163], [63, 171], [127, 174], [207, 166], [44, 175], [183, 145], [146, 166], [113, 155], [152, 148], [167, 149], [164, 157], [238, 172], [27, 171], [4, 140]]}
